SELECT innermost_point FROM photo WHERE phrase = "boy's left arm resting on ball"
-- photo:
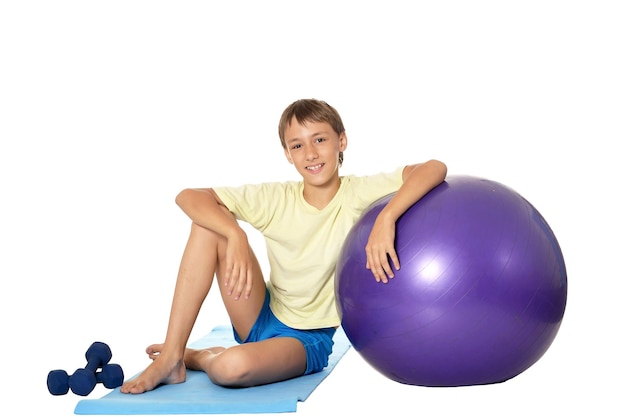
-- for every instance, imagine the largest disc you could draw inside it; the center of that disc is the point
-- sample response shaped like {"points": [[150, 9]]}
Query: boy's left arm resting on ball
{"points": [[417, 181]]}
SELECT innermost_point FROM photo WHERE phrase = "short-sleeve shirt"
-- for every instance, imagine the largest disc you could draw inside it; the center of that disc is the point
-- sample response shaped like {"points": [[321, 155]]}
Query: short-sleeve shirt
{"points": [[303, 242]]}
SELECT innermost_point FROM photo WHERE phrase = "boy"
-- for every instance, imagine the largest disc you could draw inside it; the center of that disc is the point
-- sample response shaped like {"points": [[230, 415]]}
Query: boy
{"points": [[284, 326]]}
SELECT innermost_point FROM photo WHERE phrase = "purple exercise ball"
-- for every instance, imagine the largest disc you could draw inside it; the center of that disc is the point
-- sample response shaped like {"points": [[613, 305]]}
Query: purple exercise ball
{"points": [[479, 297]]}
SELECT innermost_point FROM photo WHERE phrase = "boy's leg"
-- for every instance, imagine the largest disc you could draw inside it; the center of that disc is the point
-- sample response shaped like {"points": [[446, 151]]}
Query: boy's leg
{"points": [[251, 364], [201, 261]]}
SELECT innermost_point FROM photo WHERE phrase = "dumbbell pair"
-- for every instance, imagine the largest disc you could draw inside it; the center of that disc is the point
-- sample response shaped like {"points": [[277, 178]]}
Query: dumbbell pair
{"points": [[84, 380]]}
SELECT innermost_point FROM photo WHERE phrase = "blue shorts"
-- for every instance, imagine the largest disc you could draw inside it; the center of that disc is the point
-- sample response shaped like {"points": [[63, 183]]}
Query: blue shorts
{"points": [[318, 343]]}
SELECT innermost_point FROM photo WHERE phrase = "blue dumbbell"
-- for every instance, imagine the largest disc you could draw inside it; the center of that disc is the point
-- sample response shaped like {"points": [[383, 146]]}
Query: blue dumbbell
{"points": [[58, 382], [84, 380]]}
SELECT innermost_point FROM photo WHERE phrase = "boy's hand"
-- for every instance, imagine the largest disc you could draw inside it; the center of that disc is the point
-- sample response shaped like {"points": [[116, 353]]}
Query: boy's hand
{"points": [[380, 250], [238, 278]]}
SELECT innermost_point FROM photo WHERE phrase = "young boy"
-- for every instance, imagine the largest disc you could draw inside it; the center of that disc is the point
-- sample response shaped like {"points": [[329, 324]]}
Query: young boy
{"points": [[284, 326]]}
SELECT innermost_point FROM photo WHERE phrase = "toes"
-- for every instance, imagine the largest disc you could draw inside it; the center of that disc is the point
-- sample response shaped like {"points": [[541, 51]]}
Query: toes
{"points": [[154, 349]]}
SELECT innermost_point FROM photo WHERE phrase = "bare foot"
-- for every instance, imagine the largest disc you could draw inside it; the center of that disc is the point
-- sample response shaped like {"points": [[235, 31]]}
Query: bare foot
{"points": [[163, 370]]}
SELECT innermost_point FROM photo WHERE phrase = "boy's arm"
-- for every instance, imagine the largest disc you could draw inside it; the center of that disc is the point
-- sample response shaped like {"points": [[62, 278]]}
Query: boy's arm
{"points": [[418, 180], [206, 209]]}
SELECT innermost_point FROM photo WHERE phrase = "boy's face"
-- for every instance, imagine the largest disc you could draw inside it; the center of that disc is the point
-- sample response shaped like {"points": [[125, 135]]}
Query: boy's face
{"points": [[313, 148]]}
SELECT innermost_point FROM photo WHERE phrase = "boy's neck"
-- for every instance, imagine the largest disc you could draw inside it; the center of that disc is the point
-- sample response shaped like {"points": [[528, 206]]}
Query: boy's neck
{"points": [[320, 196]]}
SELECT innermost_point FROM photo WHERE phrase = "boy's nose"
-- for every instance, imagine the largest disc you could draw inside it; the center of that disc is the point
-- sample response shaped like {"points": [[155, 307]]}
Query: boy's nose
{"points": [[311, 154]]}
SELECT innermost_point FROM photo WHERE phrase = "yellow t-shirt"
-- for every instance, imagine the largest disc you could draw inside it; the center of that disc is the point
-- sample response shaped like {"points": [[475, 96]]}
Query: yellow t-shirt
{"points": [[303, 242]]}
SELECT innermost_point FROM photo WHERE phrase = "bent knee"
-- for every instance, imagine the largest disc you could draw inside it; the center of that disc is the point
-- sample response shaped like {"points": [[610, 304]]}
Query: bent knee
{"points": [[232, 368]]}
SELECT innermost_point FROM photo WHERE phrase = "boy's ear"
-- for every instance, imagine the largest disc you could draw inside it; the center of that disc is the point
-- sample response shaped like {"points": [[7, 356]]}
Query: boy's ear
{"points": [[343, 141]]}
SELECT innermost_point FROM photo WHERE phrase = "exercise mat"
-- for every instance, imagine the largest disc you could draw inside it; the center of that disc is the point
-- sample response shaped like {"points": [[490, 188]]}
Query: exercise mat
{"points": [[198, 395]]}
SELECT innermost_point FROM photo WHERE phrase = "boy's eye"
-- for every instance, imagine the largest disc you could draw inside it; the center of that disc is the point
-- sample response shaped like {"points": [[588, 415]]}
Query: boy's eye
{"points": [[318, 140], [297, 146]]}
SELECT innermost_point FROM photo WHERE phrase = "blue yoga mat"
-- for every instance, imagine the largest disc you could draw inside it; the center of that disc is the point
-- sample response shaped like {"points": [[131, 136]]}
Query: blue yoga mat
{"points": [[198, 395]]}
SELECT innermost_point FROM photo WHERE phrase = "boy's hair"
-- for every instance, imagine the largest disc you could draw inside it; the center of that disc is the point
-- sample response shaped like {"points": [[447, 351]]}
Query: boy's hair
{"points": [[310, 110]]}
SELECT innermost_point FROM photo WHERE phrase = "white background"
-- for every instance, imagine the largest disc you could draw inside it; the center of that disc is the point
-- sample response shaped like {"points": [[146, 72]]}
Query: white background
{"points": [[108, 109]]}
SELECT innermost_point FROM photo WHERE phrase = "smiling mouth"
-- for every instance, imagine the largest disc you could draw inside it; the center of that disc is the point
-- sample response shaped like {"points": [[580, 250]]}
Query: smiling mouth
{"points": [[315, 167]]}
